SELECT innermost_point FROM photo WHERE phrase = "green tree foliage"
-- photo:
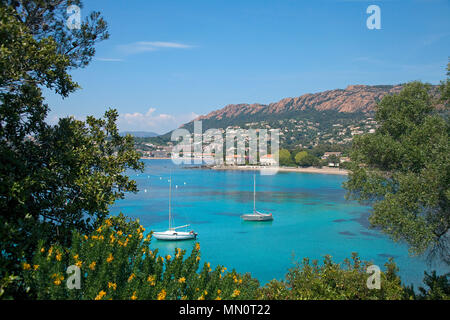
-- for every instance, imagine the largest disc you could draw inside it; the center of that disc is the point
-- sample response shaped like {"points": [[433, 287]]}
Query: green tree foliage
{"points": [[403, 169], [53, 179], [438, 287], [305, 159], [330, 280], [445, 89], [285, 157], [300, 155], [116, 262], [46, 19]]}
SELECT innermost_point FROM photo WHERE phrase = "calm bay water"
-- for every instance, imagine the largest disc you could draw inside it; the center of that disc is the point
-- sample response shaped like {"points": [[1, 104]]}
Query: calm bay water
{"points": [[311, 219]]}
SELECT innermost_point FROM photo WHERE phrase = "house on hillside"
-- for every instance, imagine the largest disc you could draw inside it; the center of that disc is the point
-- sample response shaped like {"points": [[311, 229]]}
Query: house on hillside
{"points": [[327, 154]]}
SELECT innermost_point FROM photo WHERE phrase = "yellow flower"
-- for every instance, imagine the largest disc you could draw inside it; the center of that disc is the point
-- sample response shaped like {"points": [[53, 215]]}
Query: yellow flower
{"points": [[42, 250], [197, 246], [198, 258], [110, 258], [131, 277], [58, 279], [75, 257], [219, 291], [183, 297], [79, 264], [205, 293], [168, 257], [26, 266], [201, 297], [112, 285], [92, 265], [99, 229], [100, 295], [196, 289], [182, 280], [218, 298], [86, 237], [240, 281], [58, 256], [36, 266], [134, 297], [236, 293], [140, 236], [162, 295], [108, 222], [119, 232], [151, 280]]}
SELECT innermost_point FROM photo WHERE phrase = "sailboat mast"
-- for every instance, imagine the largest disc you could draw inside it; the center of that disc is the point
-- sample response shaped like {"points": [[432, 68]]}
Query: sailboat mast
{"points": [[170, 196], [254, 193]]}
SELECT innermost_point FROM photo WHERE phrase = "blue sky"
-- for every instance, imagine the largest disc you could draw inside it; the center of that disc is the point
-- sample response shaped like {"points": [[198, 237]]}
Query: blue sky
{"points": [[168, 61]]}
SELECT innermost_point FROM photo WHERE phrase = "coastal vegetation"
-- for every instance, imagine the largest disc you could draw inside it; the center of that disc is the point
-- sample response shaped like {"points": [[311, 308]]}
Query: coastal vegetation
{"points": [[54, 179], [57, 183], [116, 262], [403, 170]]}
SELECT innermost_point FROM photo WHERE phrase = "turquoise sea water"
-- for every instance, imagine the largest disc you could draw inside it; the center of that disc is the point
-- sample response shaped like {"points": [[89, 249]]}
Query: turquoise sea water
{"points": [[311, 219]]}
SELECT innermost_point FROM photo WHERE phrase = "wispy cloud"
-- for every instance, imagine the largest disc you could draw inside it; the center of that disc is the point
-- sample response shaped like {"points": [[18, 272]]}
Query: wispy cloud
{"points": [[369, 60], [150, 121], [109, 59], [430, 39], [148, 46]]}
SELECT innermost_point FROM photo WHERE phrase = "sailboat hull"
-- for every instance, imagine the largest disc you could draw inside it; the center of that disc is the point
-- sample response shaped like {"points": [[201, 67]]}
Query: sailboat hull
{"points": [[171, 235], [257, 217]]}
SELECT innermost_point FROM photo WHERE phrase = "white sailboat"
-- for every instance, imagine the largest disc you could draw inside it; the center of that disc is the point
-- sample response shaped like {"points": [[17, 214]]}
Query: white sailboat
{"points": [[256, 215], [172, 233]]}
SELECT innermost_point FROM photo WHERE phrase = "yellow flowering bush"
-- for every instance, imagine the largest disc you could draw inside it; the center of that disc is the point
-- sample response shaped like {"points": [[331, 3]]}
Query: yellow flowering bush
{"points": [[116, 262]]}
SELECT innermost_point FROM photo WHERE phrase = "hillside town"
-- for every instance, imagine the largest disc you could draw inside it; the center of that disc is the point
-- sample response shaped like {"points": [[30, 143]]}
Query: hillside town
{"points": [[320, 140]]}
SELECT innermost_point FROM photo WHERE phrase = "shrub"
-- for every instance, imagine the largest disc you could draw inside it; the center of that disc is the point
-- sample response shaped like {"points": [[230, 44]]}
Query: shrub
{"points": [[116, 262], [333, 281]]}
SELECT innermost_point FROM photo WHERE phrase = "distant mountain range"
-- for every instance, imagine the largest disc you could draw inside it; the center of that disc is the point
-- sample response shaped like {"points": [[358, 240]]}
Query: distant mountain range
{"points": [[354, 98], [140, 134], [332, 116]]}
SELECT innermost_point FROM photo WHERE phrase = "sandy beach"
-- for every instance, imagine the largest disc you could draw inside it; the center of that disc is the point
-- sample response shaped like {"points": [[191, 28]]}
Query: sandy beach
{"points": [[155, 158], [323, 170]]}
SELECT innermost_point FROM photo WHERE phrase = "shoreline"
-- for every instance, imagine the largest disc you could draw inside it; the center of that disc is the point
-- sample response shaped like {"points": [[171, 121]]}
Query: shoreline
{"points": [[324, 170], [154, 158]]}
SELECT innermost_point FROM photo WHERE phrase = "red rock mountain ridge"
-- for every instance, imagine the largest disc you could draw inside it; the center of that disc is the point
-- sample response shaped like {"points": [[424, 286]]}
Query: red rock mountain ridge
{"points": [[354, 98]]}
